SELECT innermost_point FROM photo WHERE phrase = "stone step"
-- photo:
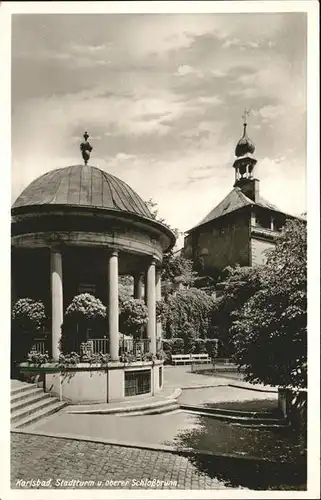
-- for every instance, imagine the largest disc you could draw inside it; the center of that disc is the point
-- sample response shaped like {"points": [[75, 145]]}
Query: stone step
{"points": [[28, 399], [124, 410], [166, 408], [32, 407], [31, 391], [22, 388], [250, 422], [44, 412], [232, 413]]}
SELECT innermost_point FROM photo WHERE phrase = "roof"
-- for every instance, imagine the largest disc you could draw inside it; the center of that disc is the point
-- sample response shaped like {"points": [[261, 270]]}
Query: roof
{"points": [[85, 186], [235, 200]]}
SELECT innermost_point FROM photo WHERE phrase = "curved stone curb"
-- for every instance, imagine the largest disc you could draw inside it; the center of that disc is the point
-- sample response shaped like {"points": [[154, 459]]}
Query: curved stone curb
{"points": [[188, 387], [236, 386], [152, 447], [242, 420], [175, 394], [167, 401], [272, 391]]}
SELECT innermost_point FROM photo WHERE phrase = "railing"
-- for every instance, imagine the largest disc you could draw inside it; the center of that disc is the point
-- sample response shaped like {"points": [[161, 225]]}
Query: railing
{"points": [[100, 345], [139, 347], [129, 346], [96, 346], [39, 346]]}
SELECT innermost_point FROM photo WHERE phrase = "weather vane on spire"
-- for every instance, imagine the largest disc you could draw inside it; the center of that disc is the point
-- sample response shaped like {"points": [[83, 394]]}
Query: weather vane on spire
{"points": [[85, 148], [246, 113]]}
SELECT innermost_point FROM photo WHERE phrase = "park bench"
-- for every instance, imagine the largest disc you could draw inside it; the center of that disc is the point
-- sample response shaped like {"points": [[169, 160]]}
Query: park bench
{"points": [[190, 358], [181, 359], [200, 358]]}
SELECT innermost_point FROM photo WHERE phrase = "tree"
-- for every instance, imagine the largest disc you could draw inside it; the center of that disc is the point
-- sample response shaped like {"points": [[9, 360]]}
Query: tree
{"points": [[270, 332], [238, 285], [176, 268], [187, 314]]}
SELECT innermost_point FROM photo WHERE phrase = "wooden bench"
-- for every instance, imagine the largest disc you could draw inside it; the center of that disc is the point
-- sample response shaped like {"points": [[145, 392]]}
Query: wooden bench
{"points": [[200, 358], [190, 358], [181, 359]]}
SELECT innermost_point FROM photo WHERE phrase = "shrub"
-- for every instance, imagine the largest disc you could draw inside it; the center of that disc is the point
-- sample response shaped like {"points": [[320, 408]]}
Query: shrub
{"points": [[37, 358], [84, 312], [28, 317], [188, 314], [177, 346], [134, 316]]}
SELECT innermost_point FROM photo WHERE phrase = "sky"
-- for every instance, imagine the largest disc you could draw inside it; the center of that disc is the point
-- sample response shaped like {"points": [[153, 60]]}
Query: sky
{"points": [[162, 98]]}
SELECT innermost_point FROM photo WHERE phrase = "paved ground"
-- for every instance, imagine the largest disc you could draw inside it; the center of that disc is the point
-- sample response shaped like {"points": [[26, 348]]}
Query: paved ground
{"points": [[58, 460], [44, 458], [181, 376], [224, 394]]}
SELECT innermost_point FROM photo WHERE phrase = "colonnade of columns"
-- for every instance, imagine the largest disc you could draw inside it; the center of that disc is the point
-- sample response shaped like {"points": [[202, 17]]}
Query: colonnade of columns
{"points": [[247, 173], [152, 293]]}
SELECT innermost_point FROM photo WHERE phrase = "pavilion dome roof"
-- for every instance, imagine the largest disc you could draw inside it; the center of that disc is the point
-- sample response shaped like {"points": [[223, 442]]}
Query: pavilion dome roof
{"points": [[83, 186]]}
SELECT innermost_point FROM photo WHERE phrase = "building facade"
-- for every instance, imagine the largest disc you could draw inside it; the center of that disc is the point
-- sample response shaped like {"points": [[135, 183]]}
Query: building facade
{"points": [[242, 227]]}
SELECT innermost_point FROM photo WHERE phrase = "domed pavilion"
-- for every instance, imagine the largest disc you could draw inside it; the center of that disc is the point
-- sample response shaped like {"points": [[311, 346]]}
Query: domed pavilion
{"points": [[77, 229]]}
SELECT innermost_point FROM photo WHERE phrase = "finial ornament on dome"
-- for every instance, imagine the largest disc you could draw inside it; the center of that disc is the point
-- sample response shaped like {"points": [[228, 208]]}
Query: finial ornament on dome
{"points": [[86, 148]]}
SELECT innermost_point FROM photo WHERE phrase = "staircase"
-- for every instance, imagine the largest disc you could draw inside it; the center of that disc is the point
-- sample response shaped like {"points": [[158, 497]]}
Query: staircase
{"points": [[163, 408], [29, 404]]}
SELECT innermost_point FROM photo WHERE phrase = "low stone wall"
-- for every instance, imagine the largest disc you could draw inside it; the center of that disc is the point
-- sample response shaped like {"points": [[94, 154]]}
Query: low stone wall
{"points": [[85, 383]]}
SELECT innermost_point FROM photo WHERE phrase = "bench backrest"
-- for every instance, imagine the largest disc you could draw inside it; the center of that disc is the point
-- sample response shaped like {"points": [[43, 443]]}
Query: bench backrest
{"points": [[199, 356], [181, 356]]}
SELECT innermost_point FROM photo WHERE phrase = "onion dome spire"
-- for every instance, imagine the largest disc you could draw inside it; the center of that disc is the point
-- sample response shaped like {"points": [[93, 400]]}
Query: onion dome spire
{"points": [[245, 145], [244, 163]]}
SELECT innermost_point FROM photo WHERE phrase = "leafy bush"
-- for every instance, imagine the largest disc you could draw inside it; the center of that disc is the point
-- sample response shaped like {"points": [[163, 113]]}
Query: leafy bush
{"points": [[37, 358], [84, 312], [134, 316], [160, 309], [28, 316], [199, 346], [70, 359], [173, 346], [188, 314], [212, 347], [240, 283], [85, 307]]}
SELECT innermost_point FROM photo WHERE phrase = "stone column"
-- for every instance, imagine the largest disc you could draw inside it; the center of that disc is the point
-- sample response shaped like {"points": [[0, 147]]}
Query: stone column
{"points": [[158, 299], [56, 301], [113, 319], [150, 299], [138, 287], [272, 227]]}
